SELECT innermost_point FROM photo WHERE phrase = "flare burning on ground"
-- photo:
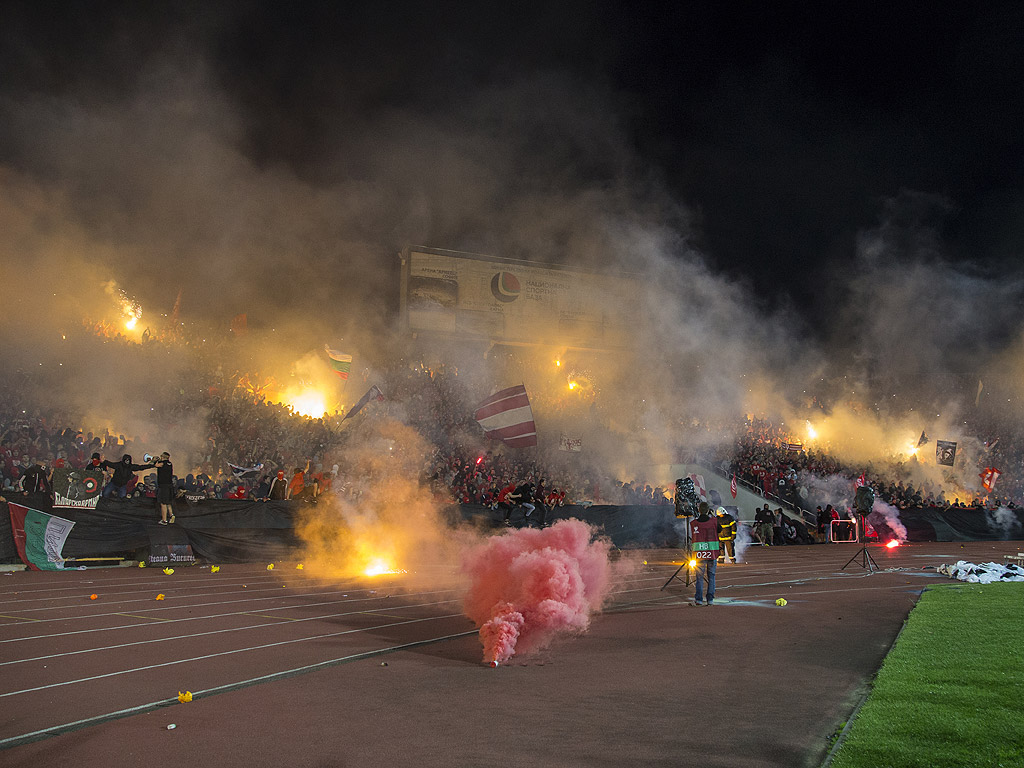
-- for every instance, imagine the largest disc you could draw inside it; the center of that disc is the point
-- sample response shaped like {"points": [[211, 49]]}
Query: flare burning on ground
{"points": [[531, 585]]}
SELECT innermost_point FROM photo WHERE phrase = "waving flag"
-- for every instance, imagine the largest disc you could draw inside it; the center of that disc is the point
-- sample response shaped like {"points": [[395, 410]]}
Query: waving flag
{"points": [[988, 476], [341, 363], [732, 485], [39, 537], [507, 416], [373, 393], [862, 480], [245, 473]]}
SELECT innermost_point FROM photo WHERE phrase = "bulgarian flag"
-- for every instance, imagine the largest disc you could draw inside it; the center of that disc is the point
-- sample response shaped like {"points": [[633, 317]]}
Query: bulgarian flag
{"points": [[39, 537], [341, 363]]}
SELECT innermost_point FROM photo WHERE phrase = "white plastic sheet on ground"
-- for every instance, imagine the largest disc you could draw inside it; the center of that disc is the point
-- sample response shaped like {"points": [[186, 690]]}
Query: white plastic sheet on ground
{"points": [[986, 573]]}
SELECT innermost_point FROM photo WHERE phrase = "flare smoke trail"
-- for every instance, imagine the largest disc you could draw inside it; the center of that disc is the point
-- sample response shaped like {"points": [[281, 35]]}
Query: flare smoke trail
{"points": [[888, 514], [531, 585]]}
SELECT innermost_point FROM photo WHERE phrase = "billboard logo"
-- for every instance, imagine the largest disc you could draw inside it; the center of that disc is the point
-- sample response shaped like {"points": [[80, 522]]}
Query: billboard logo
{"points": [[505, 287]]}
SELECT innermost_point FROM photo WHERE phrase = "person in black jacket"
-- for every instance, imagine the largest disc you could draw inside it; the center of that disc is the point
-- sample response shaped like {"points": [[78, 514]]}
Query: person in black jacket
{"points": [[36, 478], [123, 470], [164, 487]]}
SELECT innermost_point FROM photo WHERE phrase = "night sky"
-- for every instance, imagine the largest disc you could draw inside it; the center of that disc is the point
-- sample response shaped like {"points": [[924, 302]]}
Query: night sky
{"points": [[774, 135]]}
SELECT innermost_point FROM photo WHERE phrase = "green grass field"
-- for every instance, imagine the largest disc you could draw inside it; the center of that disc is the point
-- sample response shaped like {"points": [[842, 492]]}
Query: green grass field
{"points": [[950, 694]]}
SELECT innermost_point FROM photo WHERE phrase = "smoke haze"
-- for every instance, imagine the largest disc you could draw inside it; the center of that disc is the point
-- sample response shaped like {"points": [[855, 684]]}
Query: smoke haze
{"points": [[177, 181]]}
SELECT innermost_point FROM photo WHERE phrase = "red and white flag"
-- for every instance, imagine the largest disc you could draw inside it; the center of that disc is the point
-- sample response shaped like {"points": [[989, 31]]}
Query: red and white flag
{"points": [[507, 416], [862, 480], [732, 486], [698, 486], [988, 476]]}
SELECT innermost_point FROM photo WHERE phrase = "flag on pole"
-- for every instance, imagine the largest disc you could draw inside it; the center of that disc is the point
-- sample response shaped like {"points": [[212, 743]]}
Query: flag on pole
{"points": [[923, 440], [340, 362], [732, 485], [507, 416], [988, 476], [373, 393], [39, 537], [862, 480]]}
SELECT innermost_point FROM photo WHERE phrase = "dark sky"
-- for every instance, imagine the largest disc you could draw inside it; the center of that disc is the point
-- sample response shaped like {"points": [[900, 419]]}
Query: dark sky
{"points": [[784, 129]]}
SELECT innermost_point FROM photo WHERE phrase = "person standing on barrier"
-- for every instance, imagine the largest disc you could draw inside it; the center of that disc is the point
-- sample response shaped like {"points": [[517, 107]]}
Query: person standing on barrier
{"points": [[726, 536], [705, 546], [165, 487]]}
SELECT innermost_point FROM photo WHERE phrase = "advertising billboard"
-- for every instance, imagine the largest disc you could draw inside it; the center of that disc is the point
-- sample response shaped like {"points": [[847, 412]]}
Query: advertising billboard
{"points": [[517, 302]]}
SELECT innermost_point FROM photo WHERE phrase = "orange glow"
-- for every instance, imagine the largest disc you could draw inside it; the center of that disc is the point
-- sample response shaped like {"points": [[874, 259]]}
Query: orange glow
{"points": [[572, 385], [303, 400], [693, 563], [893, 544], [379, 566]]}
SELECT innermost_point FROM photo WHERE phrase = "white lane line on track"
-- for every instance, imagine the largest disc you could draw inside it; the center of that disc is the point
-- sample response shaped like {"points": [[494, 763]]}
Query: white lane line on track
{"points": [[77, 592], [227, 653], [55, 730], [115, 598], [277, 596], [319, 603], [285, 620], [277, 623], [226, 579]]}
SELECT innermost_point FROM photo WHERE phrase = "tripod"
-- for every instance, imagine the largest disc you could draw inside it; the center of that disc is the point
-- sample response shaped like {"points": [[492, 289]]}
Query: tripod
{"points": [[687, 555], [866, 561], [687, 550]]}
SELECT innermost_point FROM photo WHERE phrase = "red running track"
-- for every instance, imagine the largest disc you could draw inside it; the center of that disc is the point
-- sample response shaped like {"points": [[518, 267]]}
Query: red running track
{"points": [[290, 669]]}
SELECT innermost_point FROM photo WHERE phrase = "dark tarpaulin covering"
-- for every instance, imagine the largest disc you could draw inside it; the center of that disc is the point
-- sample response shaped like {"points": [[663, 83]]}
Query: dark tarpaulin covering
{"points": [[219, 530], [627, 527], [235, 531]]}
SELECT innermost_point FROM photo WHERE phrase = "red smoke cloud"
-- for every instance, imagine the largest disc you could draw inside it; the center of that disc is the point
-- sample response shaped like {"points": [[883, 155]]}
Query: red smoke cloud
{"points": [[530, 585]]}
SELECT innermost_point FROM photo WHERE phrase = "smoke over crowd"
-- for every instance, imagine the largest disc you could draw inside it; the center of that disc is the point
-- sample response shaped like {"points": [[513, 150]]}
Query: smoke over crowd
{"points": [[175, 205]]}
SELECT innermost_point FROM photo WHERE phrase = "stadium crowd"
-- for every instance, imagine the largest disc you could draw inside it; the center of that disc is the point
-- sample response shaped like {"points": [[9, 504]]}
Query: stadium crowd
{"points": [[252, 448]]}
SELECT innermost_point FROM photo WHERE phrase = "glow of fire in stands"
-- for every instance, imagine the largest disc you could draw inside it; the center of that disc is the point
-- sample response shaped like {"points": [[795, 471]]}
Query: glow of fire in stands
{"points": [[558, 363], [132, 312], [380, 567], [912, 450], [893, 544], [572, 385], [307, 402], [812, 433]]}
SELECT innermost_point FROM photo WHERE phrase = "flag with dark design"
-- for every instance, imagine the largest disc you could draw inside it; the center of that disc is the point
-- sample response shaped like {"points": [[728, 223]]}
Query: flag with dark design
{"points": [[794, 447], [923, 439], [373, 393], [945, 452], [245, 473], [988, 476], [76, 488], [507, 416]]}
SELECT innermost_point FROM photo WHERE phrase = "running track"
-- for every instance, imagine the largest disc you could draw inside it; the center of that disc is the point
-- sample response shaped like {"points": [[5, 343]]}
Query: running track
{"points": [[290, 669]]}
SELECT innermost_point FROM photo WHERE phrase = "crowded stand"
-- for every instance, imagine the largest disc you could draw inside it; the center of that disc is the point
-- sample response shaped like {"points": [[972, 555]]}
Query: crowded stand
{"points": [[250, 447]]}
